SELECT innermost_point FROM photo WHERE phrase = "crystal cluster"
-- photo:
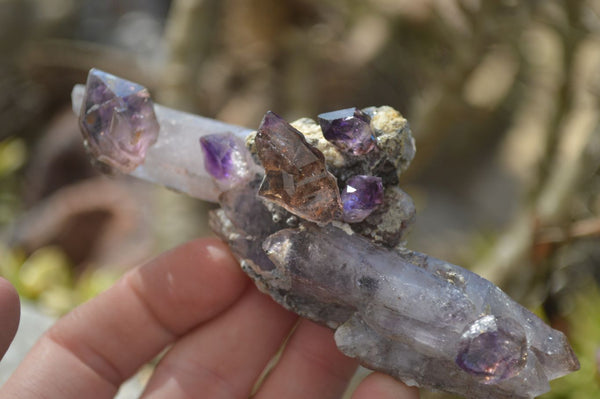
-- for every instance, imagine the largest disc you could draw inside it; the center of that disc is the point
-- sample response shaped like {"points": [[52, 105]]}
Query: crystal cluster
{"points": [[422, 320], [335, 256], [117, 120]]}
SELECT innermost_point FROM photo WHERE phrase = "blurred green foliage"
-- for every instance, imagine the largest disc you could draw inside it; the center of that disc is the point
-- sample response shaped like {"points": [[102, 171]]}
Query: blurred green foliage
{"points": [[46, 276], [13, 155], [584, 334]]}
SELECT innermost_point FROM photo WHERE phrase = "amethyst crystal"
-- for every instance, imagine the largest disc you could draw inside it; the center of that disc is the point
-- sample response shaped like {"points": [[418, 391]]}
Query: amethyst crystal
{"points": [[348, 129], [117, 120], [493, 349], [226, 159], [361, 196], [296, 175]]}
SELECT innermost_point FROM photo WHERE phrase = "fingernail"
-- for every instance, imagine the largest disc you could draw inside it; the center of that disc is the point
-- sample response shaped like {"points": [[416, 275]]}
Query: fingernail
{"points": [[220, 253]]}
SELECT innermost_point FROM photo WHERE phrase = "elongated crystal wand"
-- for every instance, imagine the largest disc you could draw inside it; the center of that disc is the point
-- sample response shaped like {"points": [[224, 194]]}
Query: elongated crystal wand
{"points": [[314, 215]]}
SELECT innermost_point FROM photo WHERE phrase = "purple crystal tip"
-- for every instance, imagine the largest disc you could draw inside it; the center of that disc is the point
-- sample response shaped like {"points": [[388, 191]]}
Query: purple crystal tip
{"points": [[117, 120], [226, 159], [348, 129], [361, 196], [493, 348]]}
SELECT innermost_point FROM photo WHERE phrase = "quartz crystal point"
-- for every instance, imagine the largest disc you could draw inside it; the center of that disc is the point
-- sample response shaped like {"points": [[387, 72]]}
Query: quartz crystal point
{"points": [[117, 120], [227, 160], [296, 176], [419, 319], [361, 196], [349, 129]]}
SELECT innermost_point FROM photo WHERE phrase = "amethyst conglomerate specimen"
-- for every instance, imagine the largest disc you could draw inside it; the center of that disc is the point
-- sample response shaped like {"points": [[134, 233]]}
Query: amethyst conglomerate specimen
{"points": [[348, 129], [117, 120], [419, 319], [296, 176], [226, 159], [361, 196]]}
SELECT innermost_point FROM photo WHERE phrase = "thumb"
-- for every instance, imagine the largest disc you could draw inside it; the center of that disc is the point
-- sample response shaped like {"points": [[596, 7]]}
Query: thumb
{"points": [[10, 311]]}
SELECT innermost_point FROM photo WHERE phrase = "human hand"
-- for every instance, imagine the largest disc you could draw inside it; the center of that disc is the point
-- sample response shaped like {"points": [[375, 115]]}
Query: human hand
{"points": [[10, 312], [221, 333]]}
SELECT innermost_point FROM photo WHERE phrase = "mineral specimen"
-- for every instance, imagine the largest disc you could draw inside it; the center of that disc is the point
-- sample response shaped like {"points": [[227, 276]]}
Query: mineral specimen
{"points": [[422, 320], [117, 120]]}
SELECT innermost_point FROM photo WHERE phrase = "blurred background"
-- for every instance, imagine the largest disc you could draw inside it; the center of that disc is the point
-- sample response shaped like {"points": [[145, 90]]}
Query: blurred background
{"points": [[502, 98]]}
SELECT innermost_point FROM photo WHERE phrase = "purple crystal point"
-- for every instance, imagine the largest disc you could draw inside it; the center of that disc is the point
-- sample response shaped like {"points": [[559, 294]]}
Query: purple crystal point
{"points": [[348, 129], [117, 120], [296, 175], [493, 349], [362, 195], [226, 159]]}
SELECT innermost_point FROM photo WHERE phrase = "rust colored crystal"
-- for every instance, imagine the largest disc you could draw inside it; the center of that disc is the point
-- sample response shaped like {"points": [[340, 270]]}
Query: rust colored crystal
{"points": [[296, 177]]}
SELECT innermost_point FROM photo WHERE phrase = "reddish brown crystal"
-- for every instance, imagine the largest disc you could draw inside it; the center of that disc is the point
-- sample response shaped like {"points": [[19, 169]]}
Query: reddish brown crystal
{"points": [[296, 177]]}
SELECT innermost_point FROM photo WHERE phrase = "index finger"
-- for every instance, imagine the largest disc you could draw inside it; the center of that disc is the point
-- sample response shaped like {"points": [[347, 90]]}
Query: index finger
{"points": [[93, 349]]}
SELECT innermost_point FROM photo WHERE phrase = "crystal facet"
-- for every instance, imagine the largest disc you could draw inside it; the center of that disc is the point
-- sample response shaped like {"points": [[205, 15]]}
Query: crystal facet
{"points": [[226, 159], [296, 175], [117, 120], [361, 196], [349, 130]]}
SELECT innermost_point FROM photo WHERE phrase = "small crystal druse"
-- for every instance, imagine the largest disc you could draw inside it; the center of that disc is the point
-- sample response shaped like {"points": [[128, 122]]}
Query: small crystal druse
{"points": [[315, 216]]}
